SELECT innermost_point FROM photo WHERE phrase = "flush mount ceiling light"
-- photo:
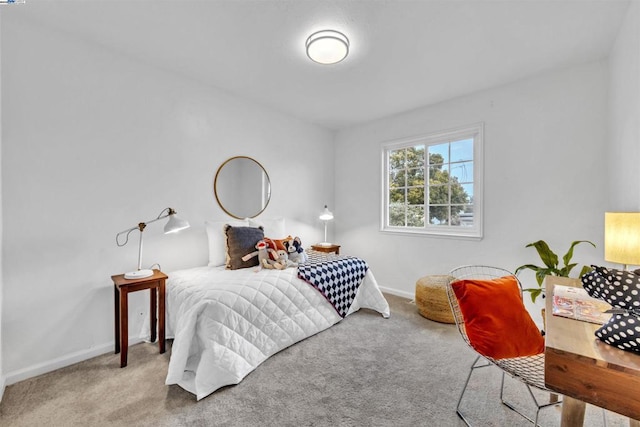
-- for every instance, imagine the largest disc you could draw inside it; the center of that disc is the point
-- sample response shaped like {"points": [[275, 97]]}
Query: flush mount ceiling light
{"points": [[327, 47]]}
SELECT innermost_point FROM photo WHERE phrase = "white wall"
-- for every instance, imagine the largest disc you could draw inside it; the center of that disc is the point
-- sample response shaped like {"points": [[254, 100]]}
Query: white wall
{"points": [[2, 377], [544, 177], [93, 143], [624, 109]]}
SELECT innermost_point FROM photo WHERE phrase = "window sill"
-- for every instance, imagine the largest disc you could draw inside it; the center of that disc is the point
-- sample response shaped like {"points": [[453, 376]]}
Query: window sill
{"points": [[428, 233]]}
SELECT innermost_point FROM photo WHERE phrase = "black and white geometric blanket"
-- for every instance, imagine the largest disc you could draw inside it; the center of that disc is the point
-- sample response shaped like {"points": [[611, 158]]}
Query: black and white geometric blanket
{"points": [[336, 277]]}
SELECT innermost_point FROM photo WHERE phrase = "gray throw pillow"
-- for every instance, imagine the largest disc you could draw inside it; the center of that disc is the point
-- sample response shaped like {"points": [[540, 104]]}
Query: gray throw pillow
{"points": [[241, 241]]}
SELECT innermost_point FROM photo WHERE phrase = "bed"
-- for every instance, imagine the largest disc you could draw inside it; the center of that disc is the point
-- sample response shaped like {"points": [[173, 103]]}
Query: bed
{"points": [[227, 322]]}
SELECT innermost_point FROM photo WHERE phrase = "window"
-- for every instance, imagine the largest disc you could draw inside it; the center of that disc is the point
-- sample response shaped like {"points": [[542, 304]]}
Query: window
{"points": [[449, 202]]}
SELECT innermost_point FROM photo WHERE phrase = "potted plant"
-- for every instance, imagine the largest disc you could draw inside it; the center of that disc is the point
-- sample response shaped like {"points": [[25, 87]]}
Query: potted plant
{"points": [[551, 267]]}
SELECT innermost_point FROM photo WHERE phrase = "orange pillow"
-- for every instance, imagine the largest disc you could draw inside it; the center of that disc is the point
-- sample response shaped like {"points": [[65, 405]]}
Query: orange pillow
{"points": [[497, 323]]}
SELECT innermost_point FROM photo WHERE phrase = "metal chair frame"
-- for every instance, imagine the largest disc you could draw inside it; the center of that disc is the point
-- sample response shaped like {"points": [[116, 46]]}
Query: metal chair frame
{"points": [[528, 370]]}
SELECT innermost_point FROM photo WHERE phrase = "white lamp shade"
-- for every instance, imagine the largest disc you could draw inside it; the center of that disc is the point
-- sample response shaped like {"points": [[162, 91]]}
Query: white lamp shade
{"points": [[326, 214], [622, 237], [175, 224], [327, 47]]}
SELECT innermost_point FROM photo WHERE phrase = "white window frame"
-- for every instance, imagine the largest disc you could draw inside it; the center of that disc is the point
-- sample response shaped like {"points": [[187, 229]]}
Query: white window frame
{"points": [[475, 131]]}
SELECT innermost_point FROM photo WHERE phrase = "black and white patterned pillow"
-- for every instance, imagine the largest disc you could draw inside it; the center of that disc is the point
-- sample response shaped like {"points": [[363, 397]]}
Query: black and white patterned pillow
{"points": [[621, 289], [622, 331]]}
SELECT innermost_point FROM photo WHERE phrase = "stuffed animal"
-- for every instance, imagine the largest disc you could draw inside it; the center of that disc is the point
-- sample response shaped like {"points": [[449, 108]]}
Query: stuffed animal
{"points": [[295, 251], [262, 253], [275, 245], [280, 264], [275, 264]]}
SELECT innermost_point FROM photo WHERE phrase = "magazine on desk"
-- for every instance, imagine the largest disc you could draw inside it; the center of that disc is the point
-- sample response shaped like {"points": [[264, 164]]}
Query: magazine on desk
{"points": [[575, 303]]}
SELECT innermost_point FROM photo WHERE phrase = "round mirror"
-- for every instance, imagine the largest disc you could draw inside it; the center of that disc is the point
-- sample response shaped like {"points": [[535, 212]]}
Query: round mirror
{"points": [[242, 187]]}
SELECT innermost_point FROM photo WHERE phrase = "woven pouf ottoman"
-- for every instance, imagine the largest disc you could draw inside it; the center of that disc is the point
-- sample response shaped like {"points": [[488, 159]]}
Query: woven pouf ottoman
{"points": [[431, 298]]}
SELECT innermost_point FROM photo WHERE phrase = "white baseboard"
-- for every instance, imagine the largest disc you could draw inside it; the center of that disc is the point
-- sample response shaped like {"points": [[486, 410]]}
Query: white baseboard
{"points": [[409, 295], [3, 384], [60, 362]]}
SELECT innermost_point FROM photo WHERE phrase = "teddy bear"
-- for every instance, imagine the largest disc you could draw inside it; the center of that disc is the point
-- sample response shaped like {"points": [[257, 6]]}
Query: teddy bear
{"points": [[295, 251], [262, 252]]}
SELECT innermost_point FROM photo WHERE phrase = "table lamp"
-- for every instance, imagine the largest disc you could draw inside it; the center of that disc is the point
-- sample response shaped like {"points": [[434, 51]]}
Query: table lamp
{"points": [[326, 216], [173, 225], [622, 238]]}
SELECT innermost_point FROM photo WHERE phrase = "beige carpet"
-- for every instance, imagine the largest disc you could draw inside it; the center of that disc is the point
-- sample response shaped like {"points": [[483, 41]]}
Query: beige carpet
{"points": [[365, 371]]}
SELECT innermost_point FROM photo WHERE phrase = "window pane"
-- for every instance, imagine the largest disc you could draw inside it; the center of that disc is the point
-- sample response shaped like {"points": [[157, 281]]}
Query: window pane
{"points": [[456, 210], [463, 172], [466, 216], [415, 216], [458, 195], [415, 196], [396, 159], [439, 153], [439, 215], [438, 174], [397, 179], [415, 177], [462, 150], [397, 215], [468, 188], [438, 194], [397, 196], [415, 156]]}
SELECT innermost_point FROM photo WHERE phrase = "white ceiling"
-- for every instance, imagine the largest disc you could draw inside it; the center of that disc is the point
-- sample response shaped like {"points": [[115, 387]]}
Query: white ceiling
{"points": [[404, 54]]}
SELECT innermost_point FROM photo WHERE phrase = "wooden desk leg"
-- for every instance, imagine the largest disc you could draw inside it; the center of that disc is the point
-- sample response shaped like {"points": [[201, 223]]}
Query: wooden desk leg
{"points": [[572, 412], [116, 316], [153, 296], [124, 327], [634, 423], [161, 316]]}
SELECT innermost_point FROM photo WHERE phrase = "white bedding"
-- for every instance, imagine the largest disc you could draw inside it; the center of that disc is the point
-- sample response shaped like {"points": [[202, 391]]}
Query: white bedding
{"points": [[226, 323]]}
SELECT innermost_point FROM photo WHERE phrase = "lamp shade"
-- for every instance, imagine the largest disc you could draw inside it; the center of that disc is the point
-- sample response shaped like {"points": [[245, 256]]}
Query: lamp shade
{"points": [[326, 214], [622, 237], [175, 224], [327, 47]]}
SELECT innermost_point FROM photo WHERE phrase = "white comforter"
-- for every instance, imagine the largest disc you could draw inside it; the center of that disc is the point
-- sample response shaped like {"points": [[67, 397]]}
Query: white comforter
{"points": [[225, 323]]}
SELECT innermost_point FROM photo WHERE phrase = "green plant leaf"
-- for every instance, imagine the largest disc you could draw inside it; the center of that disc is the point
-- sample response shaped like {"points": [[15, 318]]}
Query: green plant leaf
{"points": [[544, 272], [548, 257], [527, 266], [566, 270], [535, 293], [567, 257]]}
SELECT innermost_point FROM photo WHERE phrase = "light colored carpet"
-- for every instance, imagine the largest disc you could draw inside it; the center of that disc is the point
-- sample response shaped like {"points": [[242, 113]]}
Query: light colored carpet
{"points": [[365, 371]]}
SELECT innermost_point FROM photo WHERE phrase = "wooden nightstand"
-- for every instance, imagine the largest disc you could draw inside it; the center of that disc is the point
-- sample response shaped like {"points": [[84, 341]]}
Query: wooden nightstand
{"points": [[121, 289], [326, 248]]}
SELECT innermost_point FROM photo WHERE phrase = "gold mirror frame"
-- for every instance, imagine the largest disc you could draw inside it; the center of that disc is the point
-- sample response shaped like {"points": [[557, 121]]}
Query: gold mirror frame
{"points": [[226, 187]]}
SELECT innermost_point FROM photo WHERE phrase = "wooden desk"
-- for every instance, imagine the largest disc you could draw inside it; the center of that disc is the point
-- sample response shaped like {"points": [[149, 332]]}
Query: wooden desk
{"points": [[585, 369], [121, 289]]}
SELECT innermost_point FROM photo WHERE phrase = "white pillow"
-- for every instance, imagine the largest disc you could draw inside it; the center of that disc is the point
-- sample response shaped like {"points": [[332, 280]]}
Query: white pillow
{"points": [[217, 242], [273, 227]]}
